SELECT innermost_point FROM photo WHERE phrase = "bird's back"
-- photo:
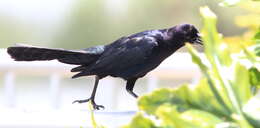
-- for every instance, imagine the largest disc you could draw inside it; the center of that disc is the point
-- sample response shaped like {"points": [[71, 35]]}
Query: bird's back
{"points": [[127, 57]]}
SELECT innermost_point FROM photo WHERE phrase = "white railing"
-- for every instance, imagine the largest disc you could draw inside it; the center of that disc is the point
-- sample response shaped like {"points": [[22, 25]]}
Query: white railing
{"points": [[178, 66]]}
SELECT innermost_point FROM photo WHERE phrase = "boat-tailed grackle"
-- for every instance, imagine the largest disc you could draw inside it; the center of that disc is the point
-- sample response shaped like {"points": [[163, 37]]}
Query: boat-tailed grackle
{"points": [[130, 57]]}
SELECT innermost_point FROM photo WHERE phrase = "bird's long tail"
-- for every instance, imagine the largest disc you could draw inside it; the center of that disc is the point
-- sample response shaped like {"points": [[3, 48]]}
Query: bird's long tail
{"points": [[32, 53]]}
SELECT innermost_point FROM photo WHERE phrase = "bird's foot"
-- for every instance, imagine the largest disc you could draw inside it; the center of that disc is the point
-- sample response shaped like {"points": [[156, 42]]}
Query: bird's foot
{"points": [[132, 93], [94, 105]]}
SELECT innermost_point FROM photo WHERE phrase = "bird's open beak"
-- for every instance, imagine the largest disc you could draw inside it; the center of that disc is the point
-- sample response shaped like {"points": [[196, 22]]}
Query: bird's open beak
{"points": [[198, 40]]}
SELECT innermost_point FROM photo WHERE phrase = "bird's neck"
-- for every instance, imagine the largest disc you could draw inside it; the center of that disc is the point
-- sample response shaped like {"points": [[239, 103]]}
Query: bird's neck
{"points": [[171, 41], [173, 45]]}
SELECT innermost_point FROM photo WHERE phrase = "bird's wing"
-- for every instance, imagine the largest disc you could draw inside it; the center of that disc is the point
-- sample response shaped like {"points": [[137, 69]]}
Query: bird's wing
{"points": [[132, 51], [122, 54]]}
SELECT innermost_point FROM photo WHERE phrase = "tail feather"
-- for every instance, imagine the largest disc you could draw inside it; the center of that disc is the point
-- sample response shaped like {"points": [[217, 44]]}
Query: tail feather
{"points": [[82, 74], [32, 53], [79, 68]]}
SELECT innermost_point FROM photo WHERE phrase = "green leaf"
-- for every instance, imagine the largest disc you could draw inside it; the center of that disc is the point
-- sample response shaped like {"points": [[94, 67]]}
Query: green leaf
{"points": [[197, 59], [187, 106], [204, 97], [254, 77], [150, 102], [219, 57], [139, 121], [210, 34], [257, 35], [215, 87], [256, 50], [213, 44], [186, 97], [241, 83], [192, 118], [224, 54]]}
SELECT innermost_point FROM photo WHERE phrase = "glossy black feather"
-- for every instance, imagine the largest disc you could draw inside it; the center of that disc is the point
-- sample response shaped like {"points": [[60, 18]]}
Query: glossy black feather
{"points": [[32, 53], [136, 55], [121, 57], [129, 57]]}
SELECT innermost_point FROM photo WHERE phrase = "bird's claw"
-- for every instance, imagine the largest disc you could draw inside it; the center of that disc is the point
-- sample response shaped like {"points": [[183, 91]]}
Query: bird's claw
{"points": [[97, 107], [94, 105]]}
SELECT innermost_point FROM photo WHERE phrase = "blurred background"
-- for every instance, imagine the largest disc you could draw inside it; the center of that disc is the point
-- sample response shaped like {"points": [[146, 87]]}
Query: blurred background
{"points": [[39, 94]]}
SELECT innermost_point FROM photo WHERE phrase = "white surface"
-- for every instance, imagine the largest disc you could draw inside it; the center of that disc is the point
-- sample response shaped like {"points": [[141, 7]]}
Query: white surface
{"points": [[61, 118]]}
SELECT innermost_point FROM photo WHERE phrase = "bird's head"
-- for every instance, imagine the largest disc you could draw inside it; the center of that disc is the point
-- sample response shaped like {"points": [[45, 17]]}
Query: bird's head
{"points": [[184, 33]]}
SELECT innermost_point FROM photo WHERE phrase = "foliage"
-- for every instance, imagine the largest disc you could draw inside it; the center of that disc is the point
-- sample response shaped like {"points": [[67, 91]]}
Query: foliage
{"points": [[249, 20], [224, 98]]}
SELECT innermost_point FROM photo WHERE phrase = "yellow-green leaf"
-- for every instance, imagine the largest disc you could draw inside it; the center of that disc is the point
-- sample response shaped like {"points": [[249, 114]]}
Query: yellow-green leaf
{"points": [[139, 121]]}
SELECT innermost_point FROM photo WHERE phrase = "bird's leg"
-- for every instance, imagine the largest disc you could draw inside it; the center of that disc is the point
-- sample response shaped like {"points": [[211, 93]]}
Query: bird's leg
{"points": [[130, 86], [92, 97]]}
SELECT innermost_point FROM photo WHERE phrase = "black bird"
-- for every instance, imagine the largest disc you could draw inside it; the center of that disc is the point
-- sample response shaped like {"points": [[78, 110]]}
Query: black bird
{"points": [[130, 57]]}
